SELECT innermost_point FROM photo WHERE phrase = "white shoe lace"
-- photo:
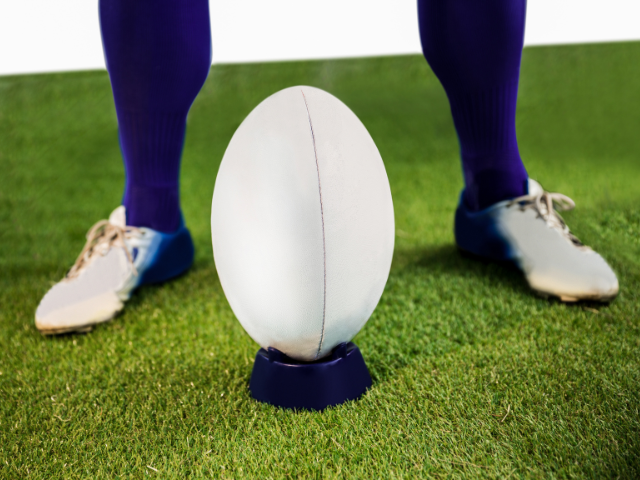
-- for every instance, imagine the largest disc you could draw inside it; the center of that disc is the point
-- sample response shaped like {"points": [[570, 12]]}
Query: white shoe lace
{"points": [[100, 238], [547, 205]]}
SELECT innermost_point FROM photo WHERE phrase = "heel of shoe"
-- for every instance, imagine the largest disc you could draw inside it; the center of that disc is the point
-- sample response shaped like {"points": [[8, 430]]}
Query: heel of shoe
{"points": [[173, 257], [477, 233]]}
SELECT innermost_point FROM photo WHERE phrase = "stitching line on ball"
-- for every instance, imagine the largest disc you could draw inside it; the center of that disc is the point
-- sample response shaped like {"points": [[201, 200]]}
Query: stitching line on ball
{"points": [[324, 248]]}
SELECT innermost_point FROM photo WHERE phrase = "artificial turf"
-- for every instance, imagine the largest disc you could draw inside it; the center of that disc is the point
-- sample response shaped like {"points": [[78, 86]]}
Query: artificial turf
{"points": [[473, 375]]}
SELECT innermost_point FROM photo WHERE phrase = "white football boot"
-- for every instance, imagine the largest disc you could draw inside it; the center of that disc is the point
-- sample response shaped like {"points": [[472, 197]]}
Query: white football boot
{"points": [[529, 232], [115, 261]]}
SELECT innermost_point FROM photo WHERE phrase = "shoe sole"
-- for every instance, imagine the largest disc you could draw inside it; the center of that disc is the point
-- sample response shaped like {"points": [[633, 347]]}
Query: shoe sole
{"points": [[76, 328], [572, 299], [60, 331]]}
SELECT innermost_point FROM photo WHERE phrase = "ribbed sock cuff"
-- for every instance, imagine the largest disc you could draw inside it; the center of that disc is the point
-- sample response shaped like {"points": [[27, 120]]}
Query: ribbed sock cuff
{"points": [[486, 187], [152, 146], [157, 208], [485, 123]]}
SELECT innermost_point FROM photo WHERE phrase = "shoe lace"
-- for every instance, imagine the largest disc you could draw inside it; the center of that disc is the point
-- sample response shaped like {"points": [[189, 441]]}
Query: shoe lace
{"points": [[547, 205], [100, 238]]}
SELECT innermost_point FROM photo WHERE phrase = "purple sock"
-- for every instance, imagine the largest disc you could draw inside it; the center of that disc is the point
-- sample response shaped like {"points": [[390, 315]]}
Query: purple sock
{"points": [[158, 55], [474, 47]]}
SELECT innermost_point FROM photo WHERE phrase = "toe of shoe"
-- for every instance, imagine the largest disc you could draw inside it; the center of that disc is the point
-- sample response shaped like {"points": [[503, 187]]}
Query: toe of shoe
{"points": [[54, 317], [590, 279]]}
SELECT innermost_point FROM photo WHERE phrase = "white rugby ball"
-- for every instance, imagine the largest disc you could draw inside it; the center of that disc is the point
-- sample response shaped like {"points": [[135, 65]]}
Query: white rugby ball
{"points": [[302, 223]]}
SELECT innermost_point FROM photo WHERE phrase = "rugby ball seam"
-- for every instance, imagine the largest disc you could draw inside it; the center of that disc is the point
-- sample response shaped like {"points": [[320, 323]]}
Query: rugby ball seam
{"points": [[324, 245]]}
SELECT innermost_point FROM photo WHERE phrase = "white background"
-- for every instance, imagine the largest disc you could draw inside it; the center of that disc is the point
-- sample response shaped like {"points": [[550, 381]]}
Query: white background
{"points": [[60, 35]]}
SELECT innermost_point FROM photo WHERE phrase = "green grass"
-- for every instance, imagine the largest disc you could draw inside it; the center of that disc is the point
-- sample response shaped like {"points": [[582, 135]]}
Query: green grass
{"points": [[473, 375]]}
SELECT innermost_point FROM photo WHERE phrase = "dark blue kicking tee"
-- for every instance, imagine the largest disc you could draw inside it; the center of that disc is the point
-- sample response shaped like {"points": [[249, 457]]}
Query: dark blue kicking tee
{"points": [[474, 47], [158, 55]]}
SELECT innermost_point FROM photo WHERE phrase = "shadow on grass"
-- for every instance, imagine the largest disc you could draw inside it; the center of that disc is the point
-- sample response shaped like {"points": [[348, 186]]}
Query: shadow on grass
{"points": [[450, 263], [438, 300]]}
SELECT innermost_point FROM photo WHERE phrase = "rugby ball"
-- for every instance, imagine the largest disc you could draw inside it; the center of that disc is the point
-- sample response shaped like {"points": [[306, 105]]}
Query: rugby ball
{"points": [[302, 223]]}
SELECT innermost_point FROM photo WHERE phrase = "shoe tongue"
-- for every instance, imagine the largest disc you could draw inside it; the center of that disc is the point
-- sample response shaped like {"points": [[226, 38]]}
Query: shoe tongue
{"points": [[534, 188], [118, 217]]}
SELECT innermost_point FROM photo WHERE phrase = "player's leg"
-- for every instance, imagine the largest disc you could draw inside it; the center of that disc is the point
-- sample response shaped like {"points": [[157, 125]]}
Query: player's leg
{"points": [[158, 55], [474, 48]]}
